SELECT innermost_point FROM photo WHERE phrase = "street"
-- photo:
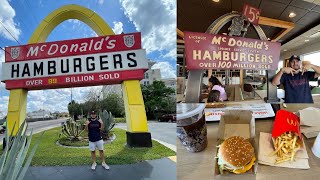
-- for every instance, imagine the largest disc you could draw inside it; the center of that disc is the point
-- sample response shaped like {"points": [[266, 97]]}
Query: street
{"points": [[40, 126], [165, 133]]}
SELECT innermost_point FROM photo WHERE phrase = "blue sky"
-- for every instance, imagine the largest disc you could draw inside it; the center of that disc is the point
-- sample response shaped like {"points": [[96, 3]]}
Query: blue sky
{"points": [[156, 20]]}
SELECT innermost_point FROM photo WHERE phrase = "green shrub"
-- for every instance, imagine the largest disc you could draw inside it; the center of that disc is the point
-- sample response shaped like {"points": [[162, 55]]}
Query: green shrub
{"points": [[120, 120]]}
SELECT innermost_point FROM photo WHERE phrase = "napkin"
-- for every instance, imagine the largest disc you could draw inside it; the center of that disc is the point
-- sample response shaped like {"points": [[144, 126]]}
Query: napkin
{"points": [[310, 116], [310, 122], [266, 148]]}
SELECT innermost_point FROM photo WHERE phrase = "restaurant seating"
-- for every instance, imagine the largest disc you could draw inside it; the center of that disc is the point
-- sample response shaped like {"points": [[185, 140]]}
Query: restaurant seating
{"points": [[315, 90], [248, 88]]}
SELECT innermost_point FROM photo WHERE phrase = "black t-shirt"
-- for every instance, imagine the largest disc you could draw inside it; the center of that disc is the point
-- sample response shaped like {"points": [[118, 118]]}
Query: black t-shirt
{"points": [[297, 88], [94, 130]]}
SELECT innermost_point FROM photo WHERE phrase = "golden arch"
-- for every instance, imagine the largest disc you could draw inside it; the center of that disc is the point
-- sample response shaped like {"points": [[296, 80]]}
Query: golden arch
{"points": [[133, 101]]}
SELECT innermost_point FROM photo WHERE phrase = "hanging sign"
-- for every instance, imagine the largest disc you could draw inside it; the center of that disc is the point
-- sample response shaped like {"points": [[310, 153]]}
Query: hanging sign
{"points": [[213, 51], [251, 13]]}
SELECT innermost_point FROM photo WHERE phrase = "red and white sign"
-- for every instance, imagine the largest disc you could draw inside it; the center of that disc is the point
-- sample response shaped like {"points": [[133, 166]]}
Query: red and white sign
{"points": [[74, 63], [214, 51], [73, 47], [251, 13]]}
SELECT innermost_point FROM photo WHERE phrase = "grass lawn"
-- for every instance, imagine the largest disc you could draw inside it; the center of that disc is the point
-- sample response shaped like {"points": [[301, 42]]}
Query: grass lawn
{"points": [[50, 154]]}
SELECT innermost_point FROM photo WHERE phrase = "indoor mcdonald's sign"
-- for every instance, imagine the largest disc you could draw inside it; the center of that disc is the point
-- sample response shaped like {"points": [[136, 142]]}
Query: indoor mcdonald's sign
{"points": [[71, 63], [213, 51]]}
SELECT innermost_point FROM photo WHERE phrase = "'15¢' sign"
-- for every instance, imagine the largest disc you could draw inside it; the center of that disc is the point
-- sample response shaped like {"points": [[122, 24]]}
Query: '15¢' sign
{"points": [[74, 63], [251, 13]]}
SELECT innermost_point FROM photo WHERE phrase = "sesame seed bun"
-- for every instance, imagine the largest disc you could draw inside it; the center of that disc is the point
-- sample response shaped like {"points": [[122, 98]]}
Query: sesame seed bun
{"points": [[236, 152]]}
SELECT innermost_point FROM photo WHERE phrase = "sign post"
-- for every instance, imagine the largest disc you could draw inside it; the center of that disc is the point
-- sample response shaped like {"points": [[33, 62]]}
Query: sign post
{"points": [[104, 60]]}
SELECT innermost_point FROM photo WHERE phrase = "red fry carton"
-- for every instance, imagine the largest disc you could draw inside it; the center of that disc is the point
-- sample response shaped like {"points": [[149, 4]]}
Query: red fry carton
{"points": [[286, 121]]}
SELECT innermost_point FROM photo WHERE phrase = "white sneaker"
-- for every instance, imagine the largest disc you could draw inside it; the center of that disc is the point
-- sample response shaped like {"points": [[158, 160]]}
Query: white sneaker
{"points": [[105, 166], [93, 166]]}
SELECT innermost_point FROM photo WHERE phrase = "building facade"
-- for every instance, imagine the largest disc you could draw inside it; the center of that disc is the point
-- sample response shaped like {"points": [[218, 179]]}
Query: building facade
{"points": [[170, 82], [39, 114]]}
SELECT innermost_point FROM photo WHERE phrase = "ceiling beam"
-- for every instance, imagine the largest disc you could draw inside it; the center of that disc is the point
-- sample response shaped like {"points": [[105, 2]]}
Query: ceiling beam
{"points": [[180, 33], [275, 22], [180, 41], [287, 26], [281, 34]]}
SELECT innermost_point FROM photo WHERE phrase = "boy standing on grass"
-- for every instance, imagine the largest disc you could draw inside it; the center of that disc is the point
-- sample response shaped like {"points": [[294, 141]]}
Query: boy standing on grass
{"points": [[94, 126]]}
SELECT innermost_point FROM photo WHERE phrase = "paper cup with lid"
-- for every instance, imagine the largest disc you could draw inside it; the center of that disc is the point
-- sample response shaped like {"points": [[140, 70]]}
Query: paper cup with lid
{"points": [[316, 146], [191, 126]]}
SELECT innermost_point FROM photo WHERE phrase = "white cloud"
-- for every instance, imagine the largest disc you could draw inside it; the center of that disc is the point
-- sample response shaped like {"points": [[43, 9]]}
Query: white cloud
{"points": [[157, 22], [7, 13], [118, 27], [81, 27], [100, 1], [167, 71], [4, 104], [1, 60], [57, 99]]}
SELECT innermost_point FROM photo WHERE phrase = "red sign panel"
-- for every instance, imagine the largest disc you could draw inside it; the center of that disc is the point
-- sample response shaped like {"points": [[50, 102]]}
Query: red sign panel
{"points": [[74, 63], [213, 51], [251, 13], [73, 47]]}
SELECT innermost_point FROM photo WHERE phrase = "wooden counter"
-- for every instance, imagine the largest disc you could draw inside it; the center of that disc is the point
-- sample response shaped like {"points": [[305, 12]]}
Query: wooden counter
{"points": [[200, 166]]}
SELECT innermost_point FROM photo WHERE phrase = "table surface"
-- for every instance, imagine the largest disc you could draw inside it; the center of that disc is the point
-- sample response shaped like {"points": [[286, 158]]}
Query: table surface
{"points": [[263, 93], [201, 166]]}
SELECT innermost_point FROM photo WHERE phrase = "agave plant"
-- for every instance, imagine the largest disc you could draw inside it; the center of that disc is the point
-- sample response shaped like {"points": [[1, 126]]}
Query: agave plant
{"points": [[72, 130], [108, 122], [14, 154]]}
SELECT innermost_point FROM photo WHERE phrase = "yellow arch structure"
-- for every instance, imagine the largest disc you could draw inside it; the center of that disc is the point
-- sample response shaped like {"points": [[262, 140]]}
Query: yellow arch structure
{"points": [[137, 134]]}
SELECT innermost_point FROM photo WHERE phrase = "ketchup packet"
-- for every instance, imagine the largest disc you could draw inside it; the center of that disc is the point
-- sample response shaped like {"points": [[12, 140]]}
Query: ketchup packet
{"points": [[286, 121]]}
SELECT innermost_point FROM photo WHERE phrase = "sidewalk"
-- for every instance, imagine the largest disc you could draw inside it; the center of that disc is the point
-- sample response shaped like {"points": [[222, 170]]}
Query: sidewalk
{"points": [[159, 169]]}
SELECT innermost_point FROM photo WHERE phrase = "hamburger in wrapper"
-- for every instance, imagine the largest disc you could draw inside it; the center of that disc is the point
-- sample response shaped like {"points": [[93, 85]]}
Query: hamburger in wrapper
{"points": [[236, 155]]}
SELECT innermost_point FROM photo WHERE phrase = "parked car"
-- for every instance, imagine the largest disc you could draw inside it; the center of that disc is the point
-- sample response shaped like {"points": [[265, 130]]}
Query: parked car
{"points": [[168, 118]]}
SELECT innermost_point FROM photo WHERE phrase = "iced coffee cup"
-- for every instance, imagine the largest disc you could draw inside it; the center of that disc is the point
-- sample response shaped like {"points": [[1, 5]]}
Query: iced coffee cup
{"points": [[316, 146], [191, 126]]}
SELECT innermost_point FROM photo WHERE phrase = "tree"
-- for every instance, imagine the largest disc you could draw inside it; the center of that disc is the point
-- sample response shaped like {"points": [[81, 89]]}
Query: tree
{"points": [[114, 104], [158, 99], [74, 109]]}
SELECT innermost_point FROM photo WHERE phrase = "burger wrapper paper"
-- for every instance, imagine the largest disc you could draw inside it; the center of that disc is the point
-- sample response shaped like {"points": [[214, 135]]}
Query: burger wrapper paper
{"points": [[310, 117], [309, 121], [286, 121], [266, 148]]}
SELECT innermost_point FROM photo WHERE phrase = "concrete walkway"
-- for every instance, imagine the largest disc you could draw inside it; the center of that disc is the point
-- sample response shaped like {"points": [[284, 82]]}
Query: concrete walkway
{"points": [[160, 169]]}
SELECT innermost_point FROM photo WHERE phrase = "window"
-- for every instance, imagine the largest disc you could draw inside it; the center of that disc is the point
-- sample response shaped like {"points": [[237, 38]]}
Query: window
{"points": [[146, 76]]}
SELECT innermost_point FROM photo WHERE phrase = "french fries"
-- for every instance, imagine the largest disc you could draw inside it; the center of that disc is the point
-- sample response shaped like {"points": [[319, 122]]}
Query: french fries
{"points": [[285, 147]]}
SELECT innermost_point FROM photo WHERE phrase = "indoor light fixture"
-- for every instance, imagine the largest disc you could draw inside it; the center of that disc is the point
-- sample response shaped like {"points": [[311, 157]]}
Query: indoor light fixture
{"points": [[307, 40], [292, 15], [215, 0]]}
